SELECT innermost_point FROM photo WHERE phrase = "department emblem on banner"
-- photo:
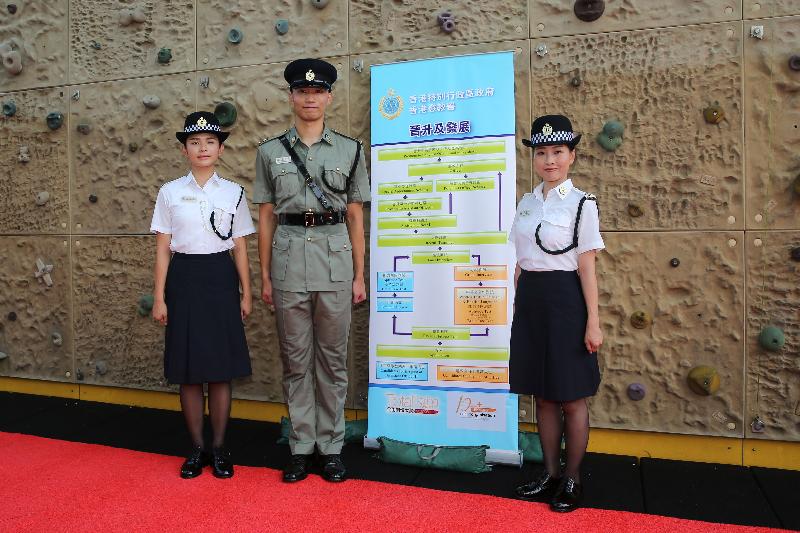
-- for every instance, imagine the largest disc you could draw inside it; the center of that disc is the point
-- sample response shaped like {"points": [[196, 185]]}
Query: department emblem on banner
{"points": [[390, 105]]}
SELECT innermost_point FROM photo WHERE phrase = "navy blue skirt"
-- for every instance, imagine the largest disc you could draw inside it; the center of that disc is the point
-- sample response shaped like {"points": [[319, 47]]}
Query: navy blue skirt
{"points": [[204, 339], [548, 356]]}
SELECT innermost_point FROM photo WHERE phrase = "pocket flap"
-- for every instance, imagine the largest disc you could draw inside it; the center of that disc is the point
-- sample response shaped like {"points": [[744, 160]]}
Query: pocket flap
{"points": [[281, 242], [339, 243], [558, 217]]}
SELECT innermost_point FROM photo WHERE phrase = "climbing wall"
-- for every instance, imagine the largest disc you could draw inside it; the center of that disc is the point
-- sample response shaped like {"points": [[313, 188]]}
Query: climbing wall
{"points": [[691, 136]]}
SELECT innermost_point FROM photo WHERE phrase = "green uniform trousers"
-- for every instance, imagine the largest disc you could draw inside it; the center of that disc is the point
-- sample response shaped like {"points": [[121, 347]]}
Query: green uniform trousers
{"points": [[313, 329]]}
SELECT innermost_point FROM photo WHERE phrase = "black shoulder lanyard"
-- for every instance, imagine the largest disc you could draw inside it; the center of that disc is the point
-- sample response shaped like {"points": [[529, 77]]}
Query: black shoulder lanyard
{"points": [[230, 231], [319, 193], [575, 231]]}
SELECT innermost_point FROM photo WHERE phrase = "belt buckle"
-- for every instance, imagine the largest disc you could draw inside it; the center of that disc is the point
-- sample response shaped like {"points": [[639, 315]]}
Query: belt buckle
{"points": [[308, 219]]}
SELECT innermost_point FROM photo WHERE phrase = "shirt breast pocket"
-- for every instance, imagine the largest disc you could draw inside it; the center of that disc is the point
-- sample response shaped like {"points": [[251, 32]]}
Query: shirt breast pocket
{"points": [[287, 179], [334, 178], [556, 229], [223, 216]]}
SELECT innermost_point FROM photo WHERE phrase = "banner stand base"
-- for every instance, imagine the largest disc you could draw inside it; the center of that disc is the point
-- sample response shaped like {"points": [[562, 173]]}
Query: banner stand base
{"points": [[504, 457]]}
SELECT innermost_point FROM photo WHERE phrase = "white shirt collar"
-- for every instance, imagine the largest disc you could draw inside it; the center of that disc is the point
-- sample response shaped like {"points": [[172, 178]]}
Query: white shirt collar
{"points": [[189, 179], [562, 190]]}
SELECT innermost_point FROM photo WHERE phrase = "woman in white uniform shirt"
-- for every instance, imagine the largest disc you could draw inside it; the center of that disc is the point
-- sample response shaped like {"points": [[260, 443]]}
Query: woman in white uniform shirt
{"points": [[198, 220], [555, 333]]}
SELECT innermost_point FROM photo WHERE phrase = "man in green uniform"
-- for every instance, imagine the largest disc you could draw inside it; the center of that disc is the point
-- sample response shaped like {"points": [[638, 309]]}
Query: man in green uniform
{"points": [[311, 182]]}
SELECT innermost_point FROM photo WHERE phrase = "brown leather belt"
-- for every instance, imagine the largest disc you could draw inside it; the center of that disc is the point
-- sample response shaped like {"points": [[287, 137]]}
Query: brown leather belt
{"points": [[310, 219]]}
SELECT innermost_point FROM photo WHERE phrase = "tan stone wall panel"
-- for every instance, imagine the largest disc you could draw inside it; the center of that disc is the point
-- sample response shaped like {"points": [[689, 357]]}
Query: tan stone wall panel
{"points": [[42, 314], [680, 171], [754, 9], [26, 136], [312, 32], [772, 126], [773, 299], [110, 274], [360, 94], [101, 48], [380, 25], [557, 17], [38, 33], [125, 183], [697, 319]]}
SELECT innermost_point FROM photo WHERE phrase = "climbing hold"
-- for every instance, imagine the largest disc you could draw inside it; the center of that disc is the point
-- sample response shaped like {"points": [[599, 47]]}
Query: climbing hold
{"points": [[446, 21], [12, 8], [714, 113], [636, 391], [94, 44], [703, 380], [771, 338], [164, 56], [12, 62], [138, 15], [54, 120], [43, 272], [576, 81], [79, 374], [444, 15], [101, 367], [610, 138], [93, 198], [226, 114], [125, 17], [42, 198], [541, 50], [84, 127], [56, 338], [132, 147], [3, 355], [205, 81], [794, 62], [12, 316], [640, 319], [145, 304], [24, 154], [635, 211], [319, 4], [235, 36], [795, 253], [151, 101], [674, 262], [757, 425], [282, 26], [589, 10], [9, 108]]}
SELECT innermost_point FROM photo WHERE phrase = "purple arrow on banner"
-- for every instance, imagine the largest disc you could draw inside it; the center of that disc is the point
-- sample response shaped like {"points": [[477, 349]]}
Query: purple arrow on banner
{"points": [[399, 257], [485, 334], [395, 332], [499, 202], [451, 202], [478, 257]]}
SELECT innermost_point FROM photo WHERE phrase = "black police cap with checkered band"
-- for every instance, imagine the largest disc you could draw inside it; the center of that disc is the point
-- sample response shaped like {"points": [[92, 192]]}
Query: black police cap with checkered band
{"points": [[551, 130], [201, 122]]}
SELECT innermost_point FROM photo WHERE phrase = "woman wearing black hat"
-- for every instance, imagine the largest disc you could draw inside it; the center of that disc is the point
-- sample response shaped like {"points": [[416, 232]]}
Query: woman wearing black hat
{"points": [[198, 219], [555, 333]]}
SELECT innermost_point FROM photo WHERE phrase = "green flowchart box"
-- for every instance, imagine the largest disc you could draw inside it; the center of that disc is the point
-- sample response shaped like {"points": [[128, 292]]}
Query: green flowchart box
{"points": [[443, 239], [440, 257], [427, 221], [465, 184], [442, 352], [457, 167], [410, 204], [442, 150], [406, 187], [440, 334]]}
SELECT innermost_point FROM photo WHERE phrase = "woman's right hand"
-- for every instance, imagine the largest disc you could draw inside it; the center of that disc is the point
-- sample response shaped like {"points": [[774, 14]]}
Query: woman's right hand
{"points": [[160, 312]]}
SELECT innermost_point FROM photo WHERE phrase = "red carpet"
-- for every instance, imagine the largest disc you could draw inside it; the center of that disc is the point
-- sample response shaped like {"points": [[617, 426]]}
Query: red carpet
{"points": [[50, 485]]}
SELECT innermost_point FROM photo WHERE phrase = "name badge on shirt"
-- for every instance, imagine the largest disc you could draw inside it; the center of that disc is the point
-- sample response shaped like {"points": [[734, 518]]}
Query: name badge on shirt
{"points": [[283, 160], [188, 198], [524, 213]]}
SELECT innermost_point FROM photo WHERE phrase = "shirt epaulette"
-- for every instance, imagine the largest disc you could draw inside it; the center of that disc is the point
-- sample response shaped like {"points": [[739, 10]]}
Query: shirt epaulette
{"points": [[340, 134], [590, 196], [273, 138]]}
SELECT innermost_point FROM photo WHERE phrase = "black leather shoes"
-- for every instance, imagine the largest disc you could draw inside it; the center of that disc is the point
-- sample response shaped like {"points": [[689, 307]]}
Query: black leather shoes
{"points": [[333, 468], [297, 469], [567, 497], [194, 463], [539, 487], [221, 464]]}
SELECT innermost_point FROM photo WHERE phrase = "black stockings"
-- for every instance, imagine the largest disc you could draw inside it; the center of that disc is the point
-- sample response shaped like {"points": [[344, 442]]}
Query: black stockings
{"points": [[219, 410], [570, 419]]}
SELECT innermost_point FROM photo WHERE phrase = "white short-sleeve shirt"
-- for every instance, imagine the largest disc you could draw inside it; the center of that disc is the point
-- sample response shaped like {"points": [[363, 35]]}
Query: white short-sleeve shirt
{"points": [[183, 210], [557, 217]]}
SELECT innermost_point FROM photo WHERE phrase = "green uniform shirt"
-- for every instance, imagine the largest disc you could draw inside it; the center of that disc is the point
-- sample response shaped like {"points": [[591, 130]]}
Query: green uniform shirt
{"points": [[318, 258]]}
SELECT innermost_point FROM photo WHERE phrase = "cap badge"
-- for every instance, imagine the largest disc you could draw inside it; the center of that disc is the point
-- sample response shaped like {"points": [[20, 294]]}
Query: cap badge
{"points": [[202, 122], [310, 75], [547, 130]]}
